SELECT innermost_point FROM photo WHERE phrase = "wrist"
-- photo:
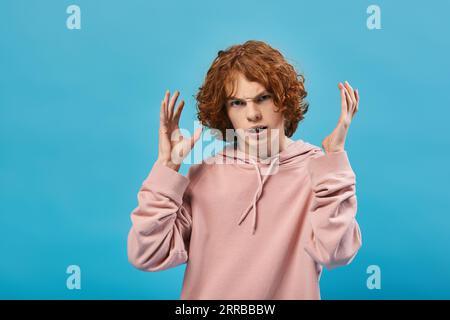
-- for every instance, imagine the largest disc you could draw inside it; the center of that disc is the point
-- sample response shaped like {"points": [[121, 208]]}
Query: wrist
{"points": [[168, 164], [334, 150]]}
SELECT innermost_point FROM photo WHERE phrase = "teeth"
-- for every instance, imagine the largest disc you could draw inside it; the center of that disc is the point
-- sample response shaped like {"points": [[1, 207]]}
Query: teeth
{"points": [[257, 129]]}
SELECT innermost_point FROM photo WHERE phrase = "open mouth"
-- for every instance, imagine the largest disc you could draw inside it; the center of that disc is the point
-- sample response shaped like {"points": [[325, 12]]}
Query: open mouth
{"points": [[257, 129]]}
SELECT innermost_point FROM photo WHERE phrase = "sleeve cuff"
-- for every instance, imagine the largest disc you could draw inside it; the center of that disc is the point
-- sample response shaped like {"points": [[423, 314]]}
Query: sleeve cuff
{"points": [[166, 181]]}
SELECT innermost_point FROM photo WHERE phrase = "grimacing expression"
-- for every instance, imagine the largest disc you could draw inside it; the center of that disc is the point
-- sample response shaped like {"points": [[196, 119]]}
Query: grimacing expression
{"points": [[252, 105]]}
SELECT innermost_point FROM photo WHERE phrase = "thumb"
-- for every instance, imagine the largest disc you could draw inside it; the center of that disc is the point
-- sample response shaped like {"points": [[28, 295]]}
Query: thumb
{"points": [[196, 136]]}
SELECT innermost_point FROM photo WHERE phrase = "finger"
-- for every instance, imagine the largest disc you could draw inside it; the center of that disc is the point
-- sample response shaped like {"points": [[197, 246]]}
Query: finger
{"points": [[344, 106], [176, 116], [357, 99], [196, 136], [163, 124], [348, 99], [173, 100], [162, 113], [164, 141], [166, 103], [350, 89], [351, 92], [351, 108]]}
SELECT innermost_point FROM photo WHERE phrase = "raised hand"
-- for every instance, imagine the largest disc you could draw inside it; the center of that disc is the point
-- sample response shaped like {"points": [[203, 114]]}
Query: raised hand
{"points": [[173, 147], [349, 106]]}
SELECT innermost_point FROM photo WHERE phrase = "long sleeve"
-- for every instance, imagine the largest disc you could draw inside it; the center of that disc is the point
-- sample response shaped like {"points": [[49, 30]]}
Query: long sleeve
{"points": [[161, 223], [336, 236]]}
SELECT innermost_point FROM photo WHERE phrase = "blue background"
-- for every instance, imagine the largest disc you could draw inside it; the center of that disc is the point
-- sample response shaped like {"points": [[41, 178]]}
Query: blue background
{"points": [[79, 117]]}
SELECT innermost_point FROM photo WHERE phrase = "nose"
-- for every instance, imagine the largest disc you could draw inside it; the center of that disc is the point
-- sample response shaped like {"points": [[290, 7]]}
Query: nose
{"points": [[252, 112]]}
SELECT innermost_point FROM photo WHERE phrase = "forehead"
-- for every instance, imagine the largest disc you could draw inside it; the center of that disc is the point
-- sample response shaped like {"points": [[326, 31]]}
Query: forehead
{"points": [[241, 87]]}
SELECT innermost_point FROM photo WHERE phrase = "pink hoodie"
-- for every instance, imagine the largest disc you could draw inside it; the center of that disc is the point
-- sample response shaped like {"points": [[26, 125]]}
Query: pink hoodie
{"points": [[244, 231]]}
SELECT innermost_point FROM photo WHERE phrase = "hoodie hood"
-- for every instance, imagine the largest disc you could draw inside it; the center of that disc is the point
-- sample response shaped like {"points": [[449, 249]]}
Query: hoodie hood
{"points": [[296, 152]]}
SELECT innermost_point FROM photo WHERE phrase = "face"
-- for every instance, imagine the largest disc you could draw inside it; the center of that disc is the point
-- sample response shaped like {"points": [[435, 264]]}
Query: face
{"points": [[252, 105]]}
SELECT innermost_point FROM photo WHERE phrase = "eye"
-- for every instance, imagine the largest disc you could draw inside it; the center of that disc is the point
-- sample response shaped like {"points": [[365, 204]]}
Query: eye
{"points": [[236, 103], [264, 98]]}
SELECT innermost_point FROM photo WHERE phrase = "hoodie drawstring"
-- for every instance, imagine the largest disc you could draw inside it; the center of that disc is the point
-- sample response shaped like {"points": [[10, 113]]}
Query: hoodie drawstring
{"points": [[258, 192]]}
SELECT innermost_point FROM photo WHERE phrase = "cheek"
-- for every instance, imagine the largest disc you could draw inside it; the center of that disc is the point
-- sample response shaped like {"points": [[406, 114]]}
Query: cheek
{"points": [[275, 117], [233, 115]]}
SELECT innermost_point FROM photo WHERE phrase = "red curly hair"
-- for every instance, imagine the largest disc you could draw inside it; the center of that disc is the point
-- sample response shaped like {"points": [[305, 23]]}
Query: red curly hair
{"points": [[259, 62]]}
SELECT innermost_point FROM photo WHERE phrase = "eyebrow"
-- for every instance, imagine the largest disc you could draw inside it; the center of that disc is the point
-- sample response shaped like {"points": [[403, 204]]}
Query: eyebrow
{"points": [[258, 95]]}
